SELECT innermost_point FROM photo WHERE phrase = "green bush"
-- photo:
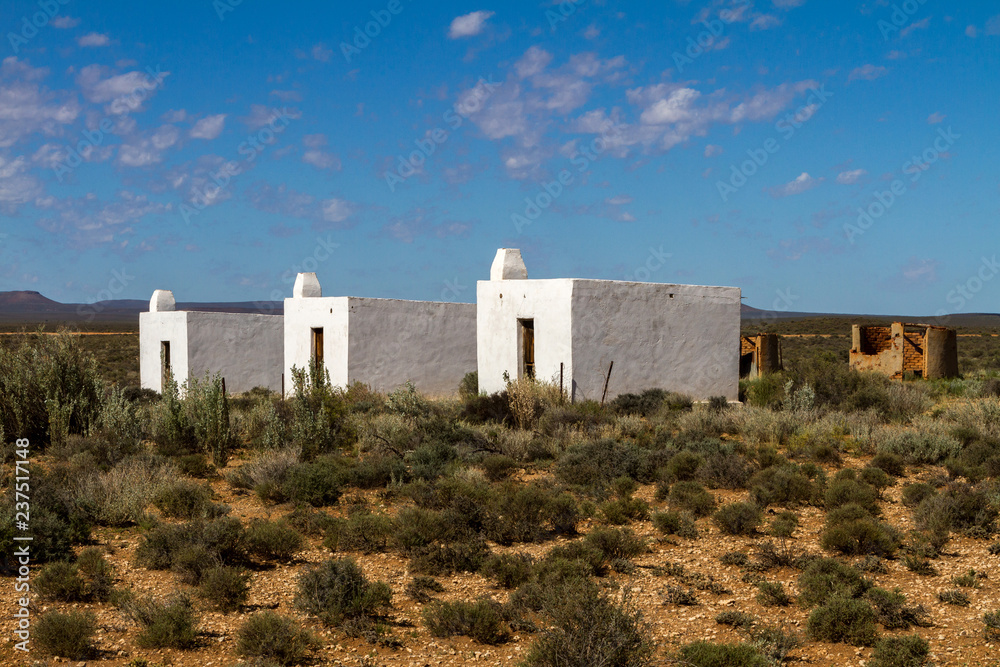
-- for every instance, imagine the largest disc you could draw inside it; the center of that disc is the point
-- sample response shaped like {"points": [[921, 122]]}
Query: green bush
{"points": [[208, 405], [225, 588], [498, 467], [772, 594], [67, 635], [440, 559], [621, 511], [360, 531], [645, 404], [954, 597], [337, 589], [852, 531], [783, 525], [594, 464], [192, 548], [682, 466], [916, 492], [615, 543], [959, 507], [320, 421], [849, 491], [318, 483], [589, 629], [824, 578], [780, 485], [508, 570], [905, 651], [844, 619], [892, 611], [738, 518], [272, 540], [97, 573], [60, 581], [691, 497], [273, 638], [169, 624], [421, 587], [991, 620], [919, 447], [675, 523], [709, 654], [876, 478], [891, 464], [736, 619], [679, 596], [482, 620], [183, 499]]}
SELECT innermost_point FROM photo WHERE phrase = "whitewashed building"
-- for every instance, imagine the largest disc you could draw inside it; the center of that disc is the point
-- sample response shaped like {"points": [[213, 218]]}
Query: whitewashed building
{"points": [[383, 343], [627, 336], [244, 348]]}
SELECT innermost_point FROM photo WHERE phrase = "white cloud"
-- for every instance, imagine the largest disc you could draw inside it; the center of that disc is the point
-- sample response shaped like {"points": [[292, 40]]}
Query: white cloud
{"points": [[316, 156], [971, 31], [122, 92], [867, 72], [321, 53], [916, 25], [93, 39], [533, 61], [468, 25], [765, 22], [336, 210], [935, 118], [209, 127], [922, 271], [712, 150], [788, 4], [26, 108], [86, 221], [592, 32], [143, 151], [260, 115], [620, 200], [16, 186], [64, 22], [992, 25], [850, 177], [802, 183]]}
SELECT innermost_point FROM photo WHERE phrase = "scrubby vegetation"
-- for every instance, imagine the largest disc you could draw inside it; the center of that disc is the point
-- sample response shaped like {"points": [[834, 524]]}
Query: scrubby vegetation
{"points": [[519, 519]]}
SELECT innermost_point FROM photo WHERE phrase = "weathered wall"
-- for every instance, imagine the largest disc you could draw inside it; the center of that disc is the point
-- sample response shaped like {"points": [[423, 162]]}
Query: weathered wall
{"points": [[878, 349], [913, 351], [676, 337], [941, 353], [760, 354], [246, 349], [301, 316], [384, 342], [429, 343], [153, 329], [500, 303]]}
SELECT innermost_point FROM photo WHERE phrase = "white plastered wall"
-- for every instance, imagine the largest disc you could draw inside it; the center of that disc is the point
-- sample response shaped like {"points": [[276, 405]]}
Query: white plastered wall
{"points": [[384, 342], [154, 329], [244, 348], [247, 349], [500, 304], [682, 338], [431, 344], [302, 315]]}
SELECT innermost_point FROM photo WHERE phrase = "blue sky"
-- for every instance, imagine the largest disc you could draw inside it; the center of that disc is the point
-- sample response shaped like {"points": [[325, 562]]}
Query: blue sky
{"points": [[827, 157]]}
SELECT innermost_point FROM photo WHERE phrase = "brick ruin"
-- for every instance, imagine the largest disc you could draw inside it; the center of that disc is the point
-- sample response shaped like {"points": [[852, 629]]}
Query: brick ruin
{"points": [[922, 350], [760, 355]]}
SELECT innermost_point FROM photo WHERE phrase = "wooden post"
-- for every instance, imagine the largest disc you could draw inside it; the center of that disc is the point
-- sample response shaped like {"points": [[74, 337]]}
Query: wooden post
{"points": [[282, 386], [223, 386], [560, 382], [606, 379]]}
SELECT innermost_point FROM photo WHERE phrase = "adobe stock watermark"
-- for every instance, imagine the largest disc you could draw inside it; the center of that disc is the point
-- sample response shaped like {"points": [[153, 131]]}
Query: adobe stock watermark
{"points": [[22, 519], [901, 14], [372, 29], [452, 290], [885, 199], [562, 13], [655, 261], [119, 281], [321, 252], [699, 44], [120, 106], [739, 174], [250, 148], [589, 153], [966, 291], [455, 116], [31, 26]]}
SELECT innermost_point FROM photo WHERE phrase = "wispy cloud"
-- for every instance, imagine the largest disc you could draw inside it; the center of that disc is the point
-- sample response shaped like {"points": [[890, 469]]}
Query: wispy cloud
{"points": [[867, 72], [209, 127], [850, 177], [801, 184], [468, 25], [93, 39], [935, 118]]}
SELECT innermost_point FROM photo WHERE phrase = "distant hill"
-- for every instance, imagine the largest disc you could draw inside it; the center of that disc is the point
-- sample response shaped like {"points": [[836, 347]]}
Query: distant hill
{"points": [[28, 307]]}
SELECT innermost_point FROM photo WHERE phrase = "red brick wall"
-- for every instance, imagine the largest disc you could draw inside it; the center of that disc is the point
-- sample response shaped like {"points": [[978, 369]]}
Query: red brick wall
{"points": [[913, 351], [875, 339]]}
